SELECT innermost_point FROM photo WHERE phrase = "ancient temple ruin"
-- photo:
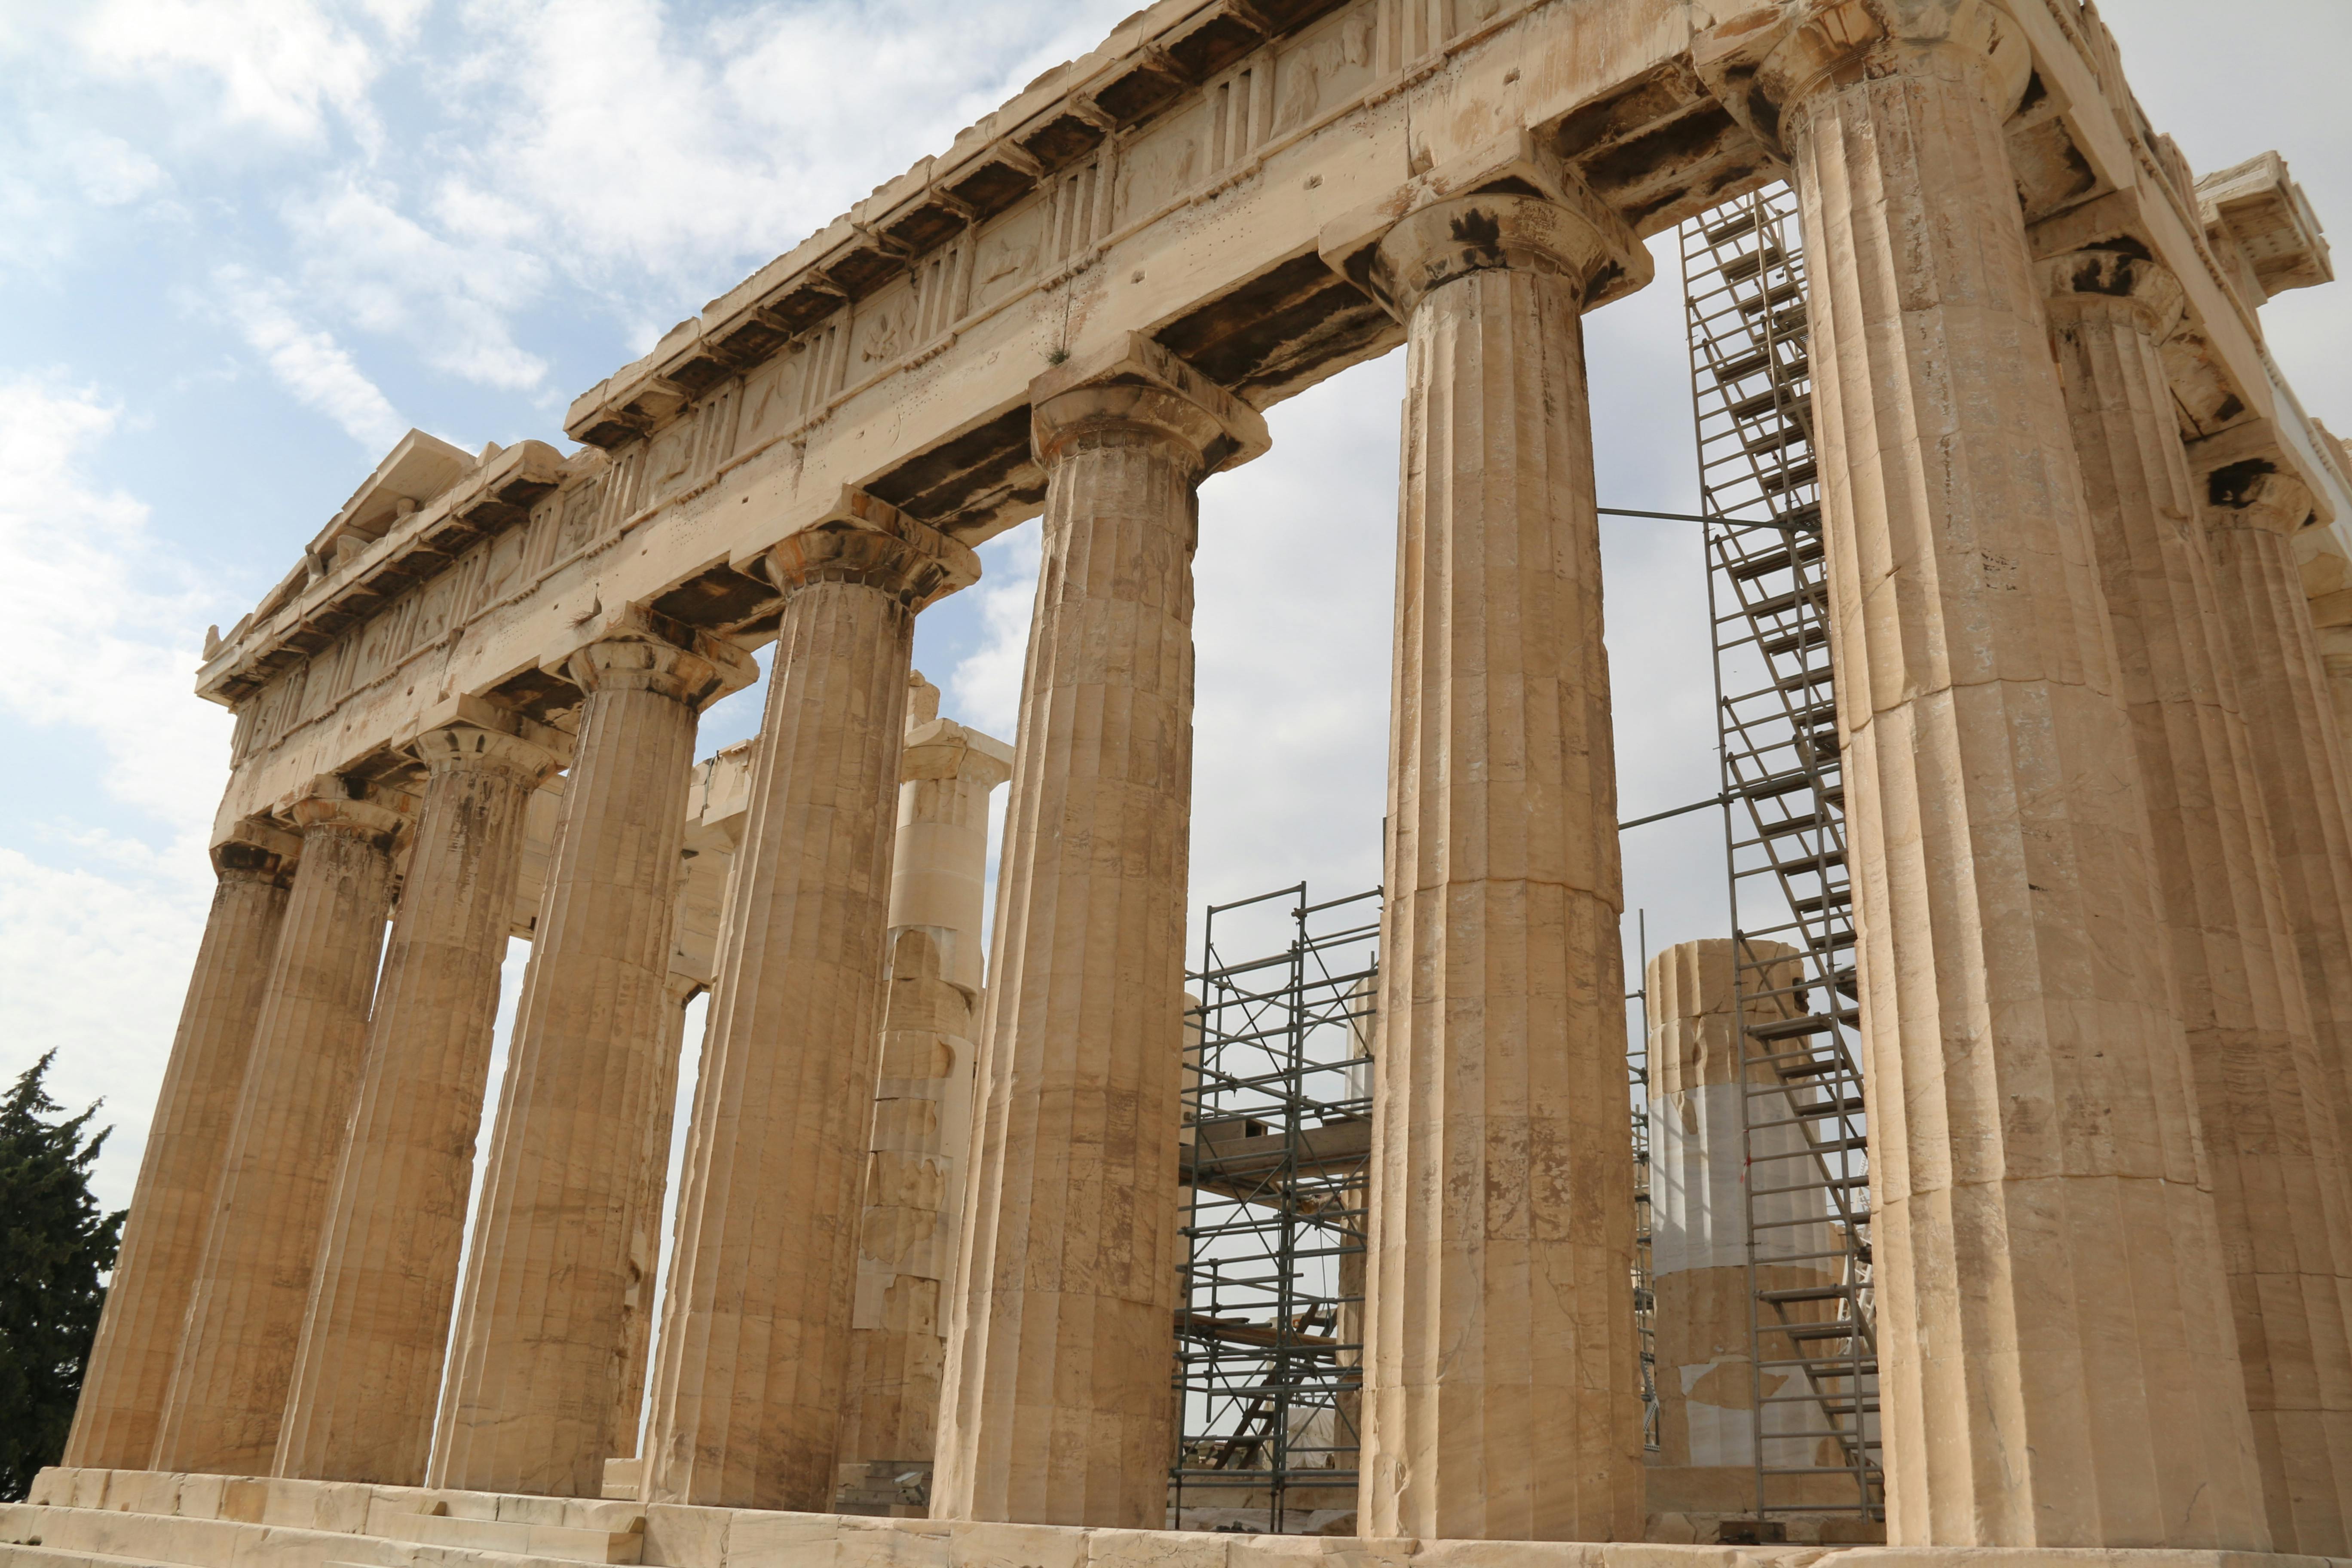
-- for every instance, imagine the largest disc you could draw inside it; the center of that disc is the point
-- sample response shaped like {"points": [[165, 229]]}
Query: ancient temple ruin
{"points": [[2056, 571]]}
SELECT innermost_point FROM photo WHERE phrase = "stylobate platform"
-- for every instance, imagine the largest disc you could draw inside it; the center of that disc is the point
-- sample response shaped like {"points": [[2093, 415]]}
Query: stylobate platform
{"points": [[104, 1519]]}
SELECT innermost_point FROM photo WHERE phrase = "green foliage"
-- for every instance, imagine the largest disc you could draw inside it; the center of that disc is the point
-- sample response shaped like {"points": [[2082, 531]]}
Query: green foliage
{"points": [[58, 1247]]}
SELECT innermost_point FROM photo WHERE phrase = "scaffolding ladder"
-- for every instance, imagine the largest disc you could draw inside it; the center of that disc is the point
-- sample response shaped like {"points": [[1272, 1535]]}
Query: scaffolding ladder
{"points": [[1805, 1181], [1276, 1163]]}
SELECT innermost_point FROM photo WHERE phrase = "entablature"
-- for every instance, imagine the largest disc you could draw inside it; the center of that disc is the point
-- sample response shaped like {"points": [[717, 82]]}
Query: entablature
{"points": [[1176, 182]]}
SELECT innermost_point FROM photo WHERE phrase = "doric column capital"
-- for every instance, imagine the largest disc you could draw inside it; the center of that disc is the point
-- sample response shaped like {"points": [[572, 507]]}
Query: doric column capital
{"points": [[1508, 205], [867, 540], [462, 747], [941, 749], [1137, 390], [331, 807], [2102, 283], [636, 648], [2246, 481], [2257, 493], [1455, 239], [468, 733], [257, 849], [1764, 65]]}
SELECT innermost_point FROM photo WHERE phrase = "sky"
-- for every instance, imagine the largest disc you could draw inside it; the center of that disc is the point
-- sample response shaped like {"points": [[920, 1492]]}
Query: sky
{"points": [[246, 244]]}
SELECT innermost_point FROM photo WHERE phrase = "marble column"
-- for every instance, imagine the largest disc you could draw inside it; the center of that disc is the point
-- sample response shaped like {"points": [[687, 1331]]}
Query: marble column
{"points": [[2335, 657], [367, 1374], [2252, 507], [922, 1142], [129, 1366], [2263, 1097], [1709, 1420], [1056, 1407], [245, 1315], [755, 1329], [542, 1318], [2033, 1123], [1502, 1399], [644, 1224]]}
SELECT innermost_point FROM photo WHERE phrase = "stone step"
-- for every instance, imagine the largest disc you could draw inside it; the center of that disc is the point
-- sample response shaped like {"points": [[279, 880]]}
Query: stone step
{"points": [[516, 1538], [621, 1479], [159, 1541], [23, 1554]]}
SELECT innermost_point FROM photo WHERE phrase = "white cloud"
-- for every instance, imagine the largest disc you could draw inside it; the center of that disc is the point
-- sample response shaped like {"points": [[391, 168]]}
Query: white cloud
{"points": [[97, 924], [387, 273], [308, 361], [106, 170], [111, 619], [55, 176], [281, 66], [651, 148]]}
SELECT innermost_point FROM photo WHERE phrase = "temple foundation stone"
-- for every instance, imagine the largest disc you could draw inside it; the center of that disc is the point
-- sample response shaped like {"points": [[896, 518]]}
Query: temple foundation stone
{"points": [[130, 1369], [367, 1374], [755, 1336], [2033, 1122], [534, 1361], [1056, 1407], [236, 1348]]}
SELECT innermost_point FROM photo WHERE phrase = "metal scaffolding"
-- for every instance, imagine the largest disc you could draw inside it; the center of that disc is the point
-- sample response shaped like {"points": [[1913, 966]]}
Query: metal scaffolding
{"points": [[1806, 1175], [1276, 1163]]}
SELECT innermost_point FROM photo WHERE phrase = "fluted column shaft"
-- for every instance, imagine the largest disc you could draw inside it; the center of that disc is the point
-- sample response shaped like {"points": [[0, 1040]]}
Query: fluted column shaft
{"points": [[2263, 1098], [534, 1363], [2251, 510], [245, 1315], [2057, 1365], [645, 1226], [368, 1372], [1501, 1395], [920, 1149], [130, 1369], [1056, 1407], [2335, 654], [755, 1334]]}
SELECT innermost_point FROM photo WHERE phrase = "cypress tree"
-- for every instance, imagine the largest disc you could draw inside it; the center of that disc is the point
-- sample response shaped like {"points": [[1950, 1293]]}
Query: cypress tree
{"points": [[59, 1248]]}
